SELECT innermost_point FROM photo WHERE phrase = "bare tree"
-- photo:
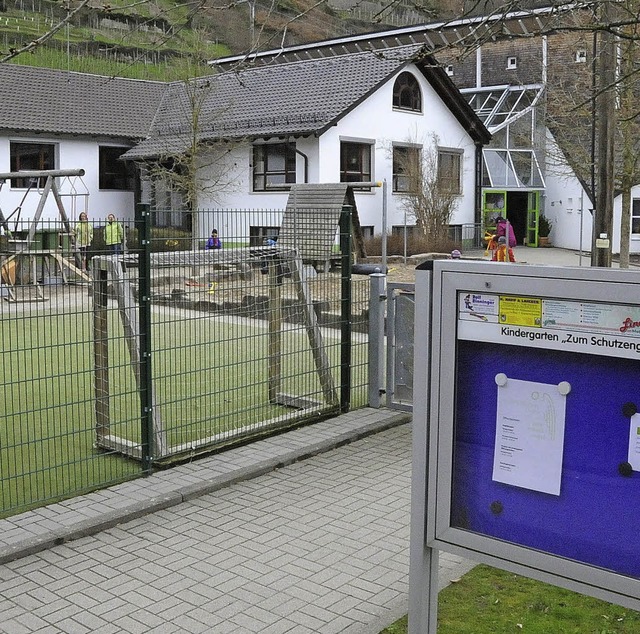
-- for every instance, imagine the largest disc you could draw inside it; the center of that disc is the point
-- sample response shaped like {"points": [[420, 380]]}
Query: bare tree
{"points": [[191, 161], [426, 187]]}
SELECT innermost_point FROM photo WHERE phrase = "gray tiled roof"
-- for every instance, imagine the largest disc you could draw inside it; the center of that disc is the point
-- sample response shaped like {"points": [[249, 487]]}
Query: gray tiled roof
{"points": [[292, 99], [288, 99], [54, 101]]}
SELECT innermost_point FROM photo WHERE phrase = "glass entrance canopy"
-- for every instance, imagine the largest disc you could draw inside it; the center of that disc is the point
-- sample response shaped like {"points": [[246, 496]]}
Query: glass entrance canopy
{"points": [[509, 113]]}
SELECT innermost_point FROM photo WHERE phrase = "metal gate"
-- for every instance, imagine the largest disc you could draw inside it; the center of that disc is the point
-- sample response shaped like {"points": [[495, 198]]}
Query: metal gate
{"points": [[400, 320]]}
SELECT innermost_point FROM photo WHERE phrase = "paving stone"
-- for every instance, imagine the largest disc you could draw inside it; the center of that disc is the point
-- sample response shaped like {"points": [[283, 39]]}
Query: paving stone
{"points": [[318, 546]]}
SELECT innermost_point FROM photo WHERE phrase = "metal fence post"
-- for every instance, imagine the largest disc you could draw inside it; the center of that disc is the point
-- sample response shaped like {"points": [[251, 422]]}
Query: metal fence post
{"points": [[345, 309], [377, 303], [143, 223]]}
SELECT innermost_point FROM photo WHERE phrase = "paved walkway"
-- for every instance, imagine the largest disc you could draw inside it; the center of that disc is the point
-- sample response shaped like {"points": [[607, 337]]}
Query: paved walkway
{"points": [[305, 532]]}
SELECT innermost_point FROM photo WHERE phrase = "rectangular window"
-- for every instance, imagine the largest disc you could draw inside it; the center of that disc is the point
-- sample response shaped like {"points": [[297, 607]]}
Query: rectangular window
{"points": [[635, 216], [31, 157], [260, 236], [450, 171], [274, 166], [401, 230], [355, 162], [406, 167], [368, 231], [115, 174]]}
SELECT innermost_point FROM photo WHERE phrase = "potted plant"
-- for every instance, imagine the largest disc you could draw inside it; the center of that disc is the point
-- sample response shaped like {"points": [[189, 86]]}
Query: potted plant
{"points": [[544, 229]]}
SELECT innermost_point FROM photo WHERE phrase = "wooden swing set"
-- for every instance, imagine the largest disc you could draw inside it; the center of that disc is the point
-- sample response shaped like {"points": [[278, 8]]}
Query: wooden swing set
{"points": [[20, 260]]}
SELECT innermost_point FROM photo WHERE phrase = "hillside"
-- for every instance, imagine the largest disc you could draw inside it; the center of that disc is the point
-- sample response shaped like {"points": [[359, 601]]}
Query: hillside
{"points": [[147, 39]]}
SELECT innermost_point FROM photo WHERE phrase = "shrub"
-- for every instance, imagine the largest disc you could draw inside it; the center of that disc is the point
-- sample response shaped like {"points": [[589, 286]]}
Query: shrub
{"points": [[415, 245], [544, 226]]}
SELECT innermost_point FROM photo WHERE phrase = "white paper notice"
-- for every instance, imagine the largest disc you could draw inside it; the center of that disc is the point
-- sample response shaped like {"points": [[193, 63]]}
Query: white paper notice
{"points": [[530, 434], [634, 442]]}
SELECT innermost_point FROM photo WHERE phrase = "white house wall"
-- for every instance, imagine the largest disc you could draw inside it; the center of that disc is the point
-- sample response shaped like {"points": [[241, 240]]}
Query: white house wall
{"points": [[71, 154], [374, 120], [634, 241], [565, 203]]}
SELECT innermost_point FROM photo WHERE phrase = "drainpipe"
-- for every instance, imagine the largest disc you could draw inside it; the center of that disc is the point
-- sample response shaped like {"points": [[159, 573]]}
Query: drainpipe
{"points": [[306, 165], [478, 204]]}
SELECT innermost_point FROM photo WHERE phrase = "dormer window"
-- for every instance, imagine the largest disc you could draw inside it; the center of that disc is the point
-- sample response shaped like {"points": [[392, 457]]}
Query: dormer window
{"points": [[512, 62], [581, 56], [406, 93]]}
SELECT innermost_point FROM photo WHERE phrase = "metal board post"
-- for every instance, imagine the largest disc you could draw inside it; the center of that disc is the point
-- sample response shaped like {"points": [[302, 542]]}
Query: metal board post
{"points": [[423, 561]]}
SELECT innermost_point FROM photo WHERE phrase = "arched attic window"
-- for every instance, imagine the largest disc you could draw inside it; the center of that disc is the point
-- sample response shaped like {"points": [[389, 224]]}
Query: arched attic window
{"points": [[406, 93]]}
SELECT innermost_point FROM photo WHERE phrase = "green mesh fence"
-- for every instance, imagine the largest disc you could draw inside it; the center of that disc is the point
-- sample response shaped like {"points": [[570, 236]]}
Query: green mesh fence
{"points": [[111, 362]]}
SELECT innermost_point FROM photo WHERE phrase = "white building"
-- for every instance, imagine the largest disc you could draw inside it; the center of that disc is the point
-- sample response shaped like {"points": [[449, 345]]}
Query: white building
{"points": [[56, 120], [349, 118]]}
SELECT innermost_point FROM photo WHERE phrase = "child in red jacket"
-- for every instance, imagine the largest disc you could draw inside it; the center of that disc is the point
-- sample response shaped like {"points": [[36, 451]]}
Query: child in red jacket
{"points": [[503, 253]]}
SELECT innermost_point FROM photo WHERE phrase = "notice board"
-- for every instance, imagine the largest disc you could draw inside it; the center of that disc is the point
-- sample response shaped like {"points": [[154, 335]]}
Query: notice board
{"points": [[533, 422]]}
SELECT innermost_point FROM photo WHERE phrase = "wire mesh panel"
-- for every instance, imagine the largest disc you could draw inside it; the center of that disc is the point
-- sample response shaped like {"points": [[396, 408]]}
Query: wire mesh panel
{"points": [[47, 416], [246, 335], [160, 342], [400, 328]]}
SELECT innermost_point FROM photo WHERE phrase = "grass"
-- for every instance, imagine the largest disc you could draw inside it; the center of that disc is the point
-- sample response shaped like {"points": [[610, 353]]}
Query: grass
{"points": [[491, 601], [210, 378], [164, 59]]}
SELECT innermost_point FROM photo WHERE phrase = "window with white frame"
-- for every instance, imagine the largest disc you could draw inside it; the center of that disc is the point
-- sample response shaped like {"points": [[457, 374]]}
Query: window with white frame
{"points": [[406, 93], [114, 173], [450, 170], [355, 162], [581, 56], [449, 70], [635, 216], [512, 62], [274, 166], [406, 162], [31, 157]]}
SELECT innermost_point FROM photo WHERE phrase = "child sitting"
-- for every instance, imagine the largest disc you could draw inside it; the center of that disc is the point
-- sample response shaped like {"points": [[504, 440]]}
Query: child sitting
{"points": [[503, 253]]}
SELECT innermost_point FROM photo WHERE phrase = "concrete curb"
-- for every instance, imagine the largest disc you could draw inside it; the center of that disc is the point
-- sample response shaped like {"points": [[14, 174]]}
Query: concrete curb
{"points": [[66, 521]]}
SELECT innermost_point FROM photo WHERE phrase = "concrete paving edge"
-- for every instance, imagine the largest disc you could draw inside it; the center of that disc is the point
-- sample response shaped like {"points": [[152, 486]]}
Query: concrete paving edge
{"points": [[20, 540]]}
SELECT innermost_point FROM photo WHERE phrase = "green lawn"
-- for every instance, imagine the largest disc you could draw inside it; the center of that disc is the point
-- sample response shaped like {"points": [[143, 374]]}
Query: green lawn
{"points": [[210, 378], [491, 601]]}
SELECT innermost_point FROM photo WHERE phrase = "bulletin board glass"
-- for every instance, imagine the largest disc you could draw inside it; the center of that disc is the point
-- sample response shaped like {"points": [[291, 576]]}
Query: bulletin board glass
{"points": [[540, 449]]}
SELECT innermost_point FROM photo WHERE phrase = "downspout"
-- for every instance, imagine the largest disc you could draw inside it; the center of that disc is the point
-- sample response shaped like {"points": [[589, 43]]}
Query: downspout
{"points": [[306, 164], [478, 193], [478, 158]]}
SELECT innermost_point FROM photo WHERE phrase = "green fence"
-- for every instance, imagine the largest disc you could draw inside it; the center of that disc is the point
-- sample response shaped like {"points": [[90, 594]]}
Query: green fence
{"points": [[168, 349]]}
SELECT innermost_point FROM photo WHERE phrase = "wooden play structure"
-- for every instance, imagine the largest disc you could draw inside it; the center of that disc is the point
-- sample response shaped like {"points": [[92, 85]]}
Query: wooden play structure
{"points": [[312, 218], [19, 259]]}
